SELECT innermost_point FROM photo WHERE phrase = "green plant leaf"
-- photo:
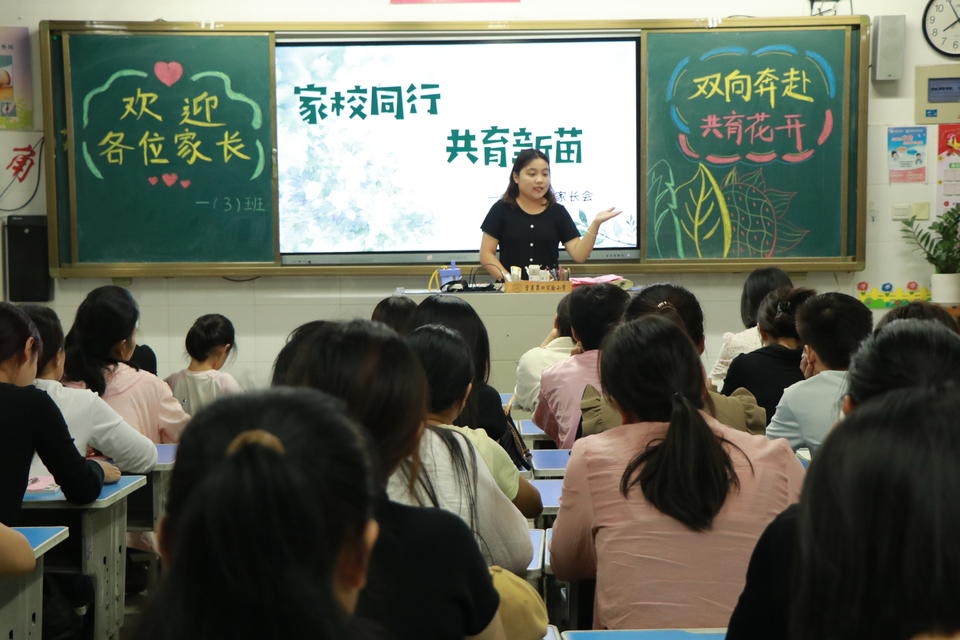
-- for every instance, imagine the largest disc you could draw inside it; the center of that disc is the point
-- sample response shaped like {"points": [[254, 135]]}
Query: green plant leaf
{"points": [[703, 214], [662, 198]]}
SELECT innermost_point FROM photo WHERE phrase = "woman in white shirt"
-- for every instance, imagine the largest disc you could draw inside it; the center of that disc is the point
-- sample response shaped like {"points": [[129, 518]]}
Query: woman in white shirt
{"points": [[209, 342], [90, 420]]}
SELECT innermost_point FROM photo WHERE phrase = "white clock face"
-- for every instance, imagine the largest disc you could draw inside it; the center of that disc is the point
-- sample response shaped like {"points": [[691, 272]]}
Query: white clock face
{"points": [[941, 26]]}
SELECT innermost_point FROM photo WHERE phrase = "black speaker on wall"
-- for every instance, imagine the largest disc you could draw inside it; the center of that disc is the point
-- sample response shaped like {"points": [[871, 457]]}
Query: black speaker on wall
{"points": [[26, 274]]}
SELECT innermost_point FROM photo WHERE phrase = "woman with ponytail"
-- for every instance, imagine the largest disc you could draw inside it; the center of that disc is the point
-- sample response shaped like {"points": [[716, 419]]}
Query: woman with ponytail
{"points": [[664, 510], [98, 350], [269, 525]]}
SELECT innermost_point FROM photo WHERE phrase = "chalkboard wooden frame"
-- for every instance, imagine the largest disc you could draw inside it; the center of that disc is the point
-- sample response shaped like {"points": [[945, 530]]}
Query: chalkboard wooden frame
{"points": [[55, 132]]}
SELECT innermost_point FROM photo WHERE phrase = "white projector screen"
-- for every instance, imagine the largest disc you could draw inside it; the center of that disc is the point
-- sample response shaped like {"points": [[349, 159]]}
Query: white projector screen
{"points": [[398, 150]]}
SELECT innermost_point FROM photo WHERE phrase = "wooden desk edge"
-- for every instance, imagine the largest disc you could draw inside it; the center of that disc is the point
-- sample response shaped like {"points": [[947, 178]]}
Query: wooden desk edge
{"points": [[61, 534]]}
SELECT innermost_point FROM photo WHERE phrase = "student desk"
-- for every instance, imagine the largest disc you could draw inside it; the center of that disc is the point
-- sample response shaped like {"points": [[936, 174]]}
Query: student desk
{"points": [[535, 568], [97, 548], [550, 463], [531, 433], [146, 508], [505, 398], [647, 634], [21, 597], [552, 633], [549, 495]]}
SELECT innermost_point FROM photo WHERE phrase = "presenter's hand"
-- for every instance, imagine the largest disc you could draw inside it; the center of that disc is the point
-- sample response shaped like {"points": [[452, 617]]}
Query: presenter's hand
{"points": [[607, 214]]}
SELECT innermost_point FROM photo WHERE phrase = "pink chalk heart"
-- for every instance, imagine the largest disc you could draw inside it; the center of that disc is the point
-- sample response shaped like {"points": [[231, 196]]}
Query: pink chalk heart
{"points": [[168, 72], [169, 179], [153, 179], [184, 183]]}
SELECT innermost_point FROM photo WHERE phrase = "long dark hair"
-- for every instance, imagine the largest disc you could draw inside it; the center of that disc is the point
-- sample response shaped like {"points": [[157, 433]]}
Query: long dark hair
{"points": [[650, 367], [446, 362], [680, 300], [777, 315], [457, 314], [16, 328], [371, 368], [878, 521], [270, 489], [758, 284], [904, 353], [524, 158], [209, 331], [396, 312], [50, 330], [106, 316]]}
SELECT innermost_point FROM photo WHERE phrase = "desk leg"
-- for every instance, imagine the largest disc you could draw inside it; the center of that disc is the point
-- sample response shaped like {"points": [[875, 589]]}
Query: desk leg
{"points": [[104, 559], [21, 605]]}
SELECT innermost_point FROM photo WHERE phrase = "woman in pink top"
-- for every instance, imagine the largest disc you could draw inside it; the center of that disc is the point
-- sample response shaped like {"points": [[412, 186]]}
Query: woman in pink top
{"points": [[665, 510], [98, 347]]}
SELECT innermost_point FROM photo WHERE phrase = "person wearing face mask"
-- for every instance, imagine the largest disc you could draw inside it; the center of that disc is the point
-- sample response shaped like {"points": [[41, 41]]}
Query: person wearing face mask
{"points": [[527, 224]]}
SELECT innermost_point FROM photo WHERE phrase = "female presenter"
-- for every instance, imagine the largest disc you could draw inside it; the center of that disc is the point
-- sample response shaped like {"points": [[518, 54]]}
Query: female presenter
{"points": [[527, 224]]}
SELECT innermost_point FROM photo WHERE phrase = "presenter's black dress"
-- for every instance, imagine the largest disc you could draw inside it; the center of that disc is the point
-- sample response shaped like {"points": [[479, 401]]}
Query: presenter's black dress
{"points": [[529, 239]]}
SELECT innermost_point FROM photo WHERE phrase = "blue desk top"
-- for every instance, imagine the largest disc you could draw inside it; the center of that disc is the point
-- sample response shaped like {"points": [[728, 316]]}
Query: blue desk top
{"points": [[505, 398], [109, 494], [42, 539], [537, 537], [549, 494], [647, 634], [166, 455], [550, 462], [552, 633], [527, 428]]}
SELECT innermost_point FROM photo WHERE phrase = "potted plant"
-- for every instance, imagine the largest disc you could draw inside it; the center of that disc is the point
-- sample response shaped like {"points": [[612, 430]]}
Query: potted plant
{"points": [[940, 244]]}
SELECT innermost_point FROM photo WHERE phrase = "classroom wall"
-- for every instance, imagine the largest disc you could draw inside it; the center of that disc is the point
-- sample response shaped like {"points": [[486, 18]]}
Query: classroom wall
{"points": [[266, 309]]}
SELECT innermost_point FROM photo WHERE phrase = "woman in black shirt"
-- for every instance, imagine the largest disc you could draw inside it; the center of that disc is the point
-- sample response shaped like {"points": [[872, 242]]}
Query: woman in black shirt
{"points": [[30, 421], [527, 224]]}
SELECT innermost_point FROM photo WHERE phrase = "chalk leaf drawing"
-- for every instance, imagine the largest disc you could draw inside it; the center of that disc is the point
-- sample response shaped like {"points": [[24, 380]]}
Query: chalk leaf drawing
{"points": [[739, 217]]}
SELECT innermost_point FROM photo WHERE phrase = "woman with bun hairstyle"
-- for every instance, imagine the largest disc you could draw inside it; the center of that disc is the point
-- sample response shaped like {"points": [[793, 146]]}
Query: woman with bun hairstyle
{"points": [[769, 370], [98, 349], [209, 342], [664, 510], [30, 422], [269, 525]]}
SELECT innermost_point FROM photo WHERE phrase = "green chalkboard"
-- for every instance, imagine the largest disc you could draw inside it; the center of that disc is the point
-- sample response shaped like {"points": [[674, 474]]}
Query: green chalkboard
{"points": [[751, 144], [171, 148]]}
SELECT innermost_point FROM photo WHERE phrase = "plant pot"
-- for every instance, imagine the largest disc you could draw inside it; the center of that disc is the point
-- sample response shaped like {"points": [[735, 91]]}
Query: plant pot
{"points": [[945, 288]]}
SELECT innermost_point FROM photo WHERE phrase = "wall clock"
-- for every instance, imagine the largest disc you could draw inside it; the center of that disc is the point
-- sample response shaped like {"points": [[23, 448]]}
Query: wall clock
{"points": [[941, 26]]}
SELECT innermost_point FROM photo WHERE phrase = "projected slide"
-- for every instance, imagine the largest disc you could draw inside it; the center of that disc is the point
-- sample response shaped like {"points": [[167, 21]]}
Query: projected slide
{"points": [[404, 147]]}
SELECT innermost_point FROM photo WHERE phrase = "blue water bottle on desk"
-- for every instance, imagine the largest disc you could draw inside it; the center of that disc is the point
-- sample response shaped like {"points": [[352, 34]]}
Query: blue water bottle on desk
{"points": [[450, 273]]}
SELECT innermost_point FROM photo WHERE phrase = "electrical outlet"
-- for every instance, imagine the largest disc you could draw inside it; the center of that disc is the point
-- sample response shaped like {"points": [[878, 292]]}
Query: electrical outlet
{"points": [[920, 210], [901, 211]]}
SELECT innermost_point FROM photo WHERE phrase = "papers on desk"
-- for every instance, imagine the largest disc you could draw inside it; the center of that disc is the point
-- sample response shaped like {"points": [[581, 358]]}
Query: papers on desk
{"points": [[42, 484]]}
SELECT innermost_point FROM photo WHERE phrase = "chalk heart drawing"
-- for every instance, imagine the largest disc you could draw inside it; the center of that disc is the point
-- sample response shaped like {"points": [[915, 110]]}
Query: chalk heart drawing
{"points": [[153, 179], [184, 183], [169, 179], [168, 72]]}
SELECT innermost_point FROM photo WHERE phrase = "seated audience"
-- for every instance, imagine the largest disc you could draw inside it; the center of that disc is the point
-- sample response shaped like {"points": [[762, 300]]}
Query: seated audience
{"points": [[758, 284], [831, 327], [209, 342], [664, 510], [92, 422], [446, 361], [906, 354], [775, 366], [594, 311], [877, 553], [30, 422], [396, 312], [98, 348], [427, 577], [555, 348], [269, 525], [738, 410], [918, 310]]}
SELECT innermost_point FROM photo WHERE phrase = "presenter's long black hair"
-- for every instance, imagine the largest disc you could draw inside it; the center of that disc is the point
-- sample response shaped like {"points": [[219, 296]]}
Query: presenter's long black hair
{"points": [[271, 494], [651, 368], [878, 522]]}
